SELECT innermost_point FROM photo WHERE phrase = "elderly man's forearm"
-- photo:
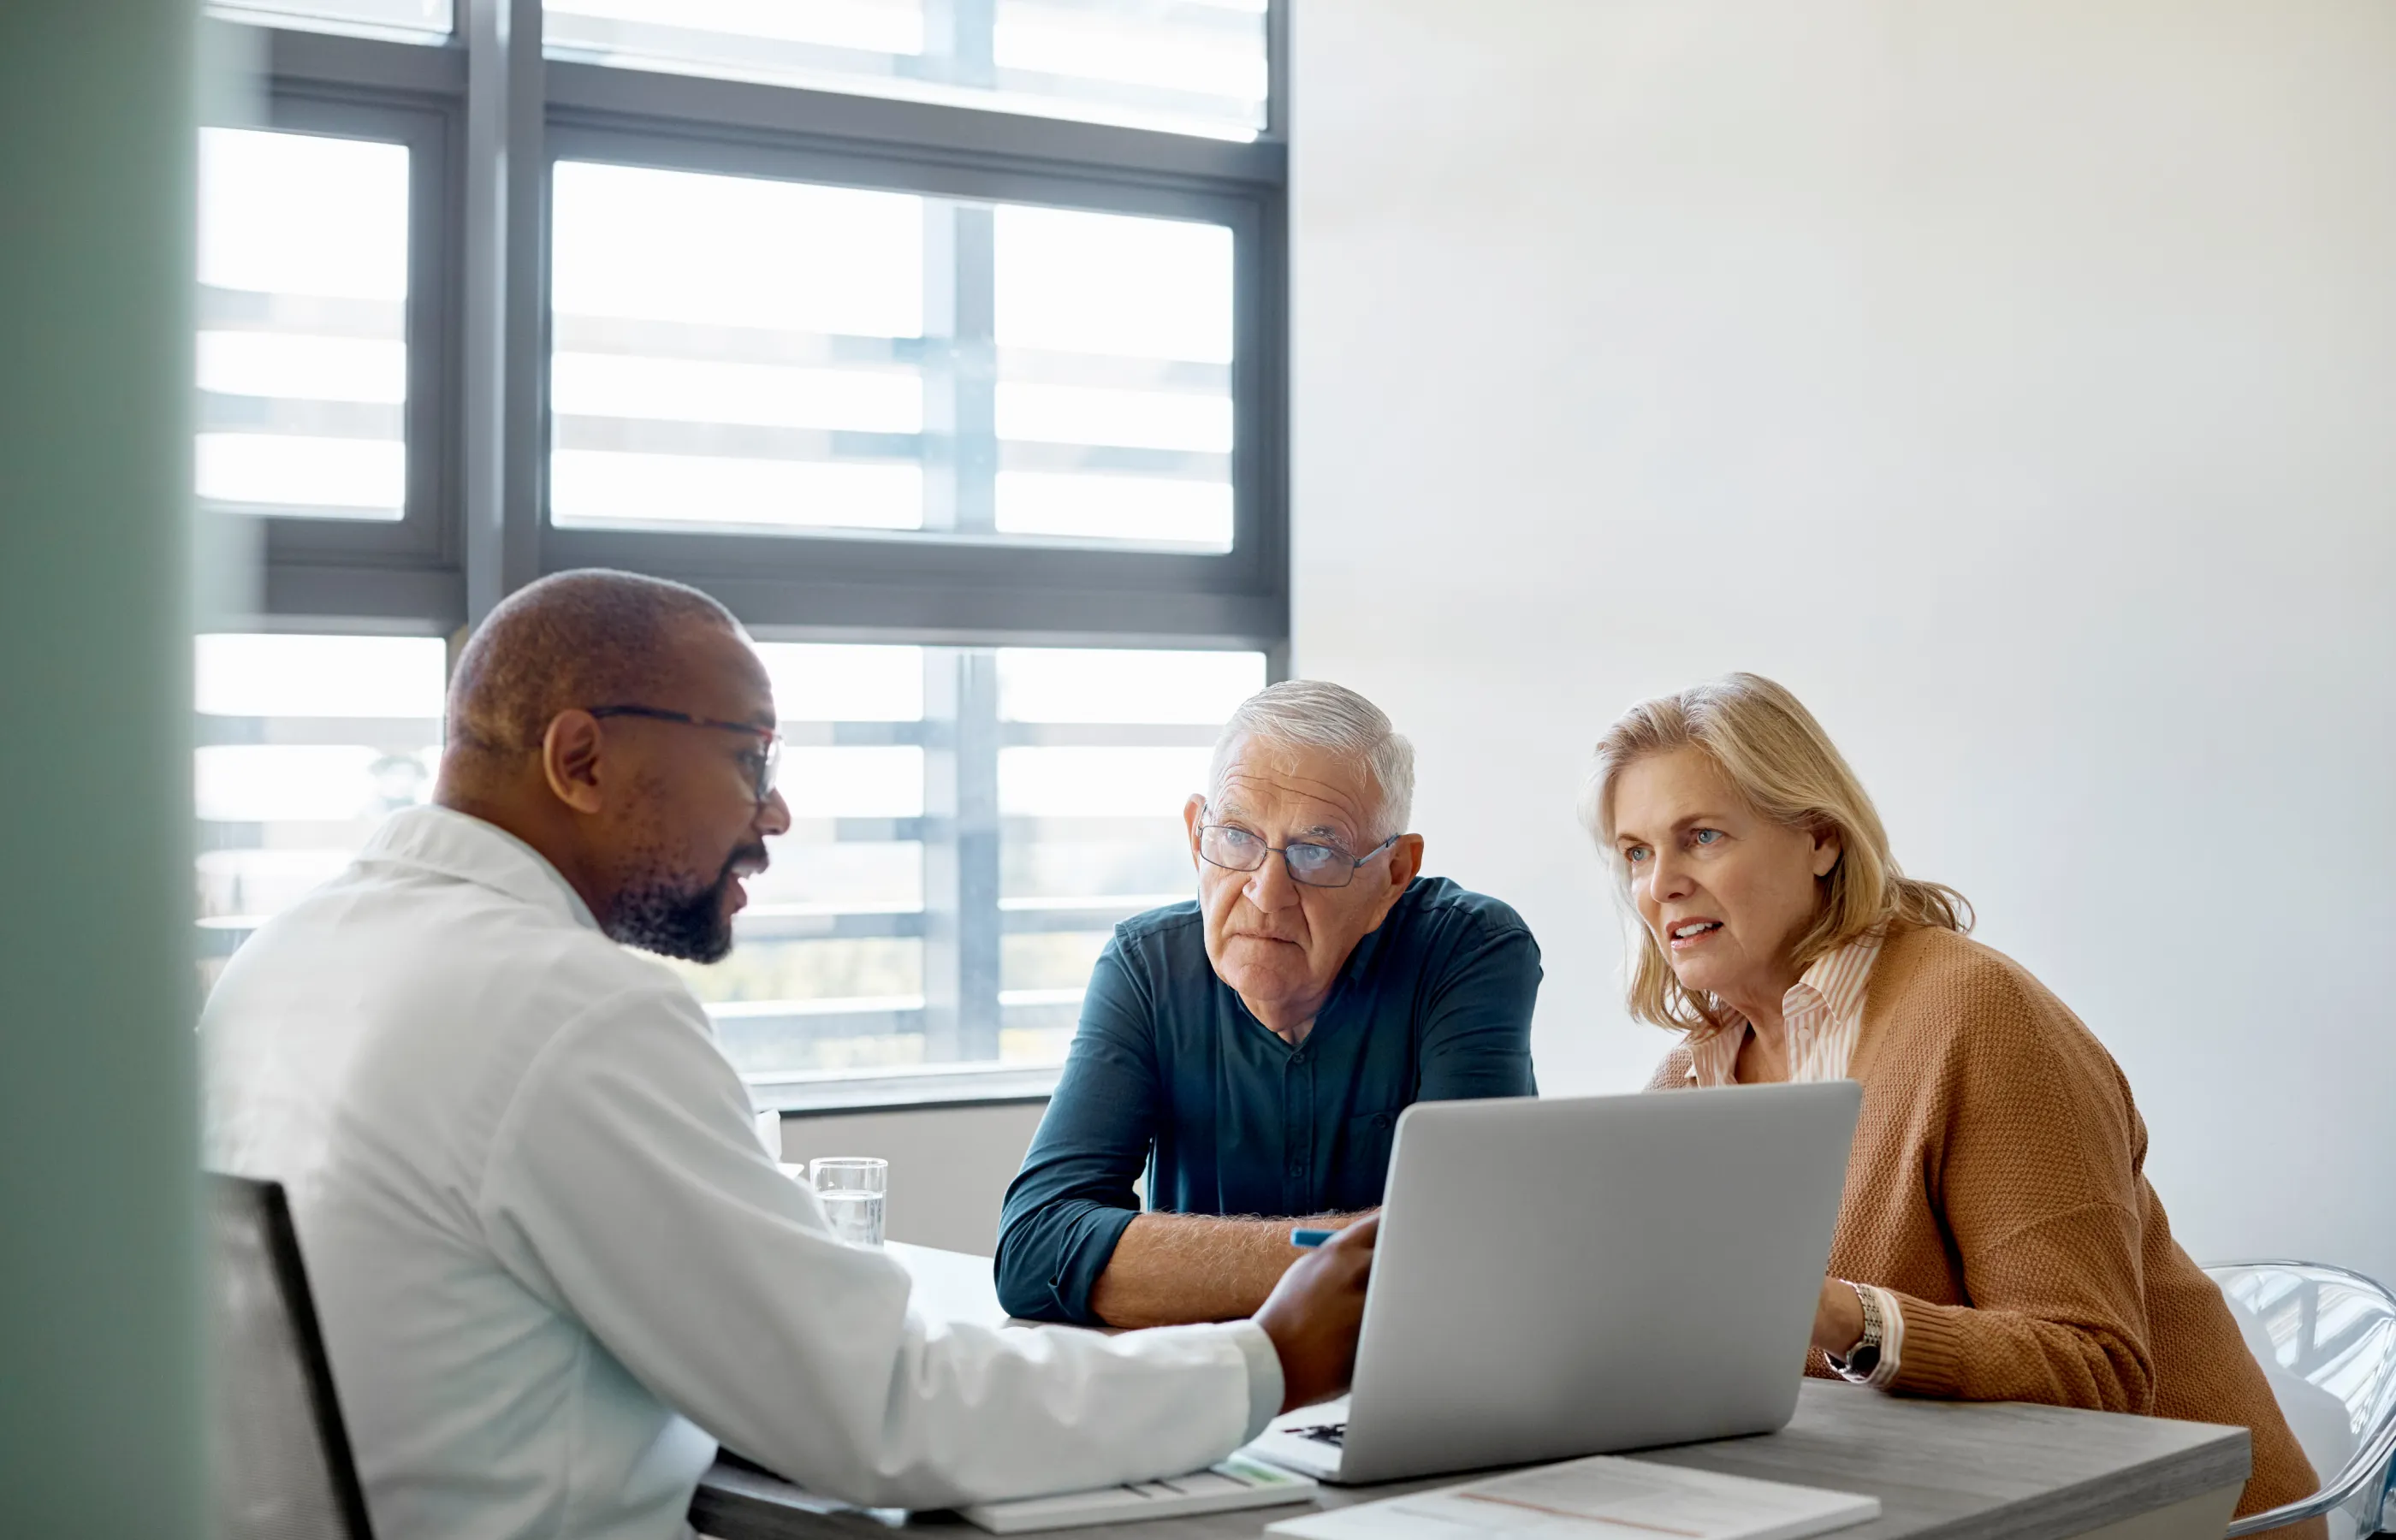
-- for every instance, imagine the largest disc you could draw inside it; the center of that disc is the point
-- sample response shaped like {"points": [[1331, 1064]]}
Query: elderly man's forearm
{"points": [[1169, 1269]]}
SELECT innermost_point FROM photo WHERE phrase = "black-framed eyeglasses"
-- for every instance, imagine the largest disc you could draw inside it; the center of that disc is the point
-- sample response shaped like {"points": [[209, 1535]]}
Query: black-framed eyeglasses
{"points": [[765, 765], [1322, 866]]}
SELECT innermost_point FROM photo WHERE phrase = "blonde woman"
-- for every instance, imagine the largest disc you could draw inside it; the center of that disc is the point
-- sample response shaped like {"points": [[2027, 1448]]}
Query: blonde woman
{"points": [[1998, 1240]]}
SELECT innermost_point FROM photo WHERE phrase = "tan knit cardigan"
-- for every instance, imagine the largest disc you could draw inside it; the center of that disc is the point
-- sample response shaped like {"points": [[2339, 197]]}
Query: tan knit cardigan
{"points": [[1996, 1185]]}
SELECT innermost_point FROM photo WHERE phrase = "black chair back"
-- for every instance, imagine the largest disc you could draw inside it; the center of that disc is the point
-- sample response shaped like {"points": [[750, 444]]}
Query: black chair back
{"points": [[280, 1454]]}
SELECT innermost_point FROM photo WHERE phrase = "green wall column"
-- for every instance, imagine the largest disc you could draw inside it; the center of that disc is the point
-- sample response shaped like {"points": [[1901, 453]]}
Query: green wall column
{"points": [[100, 1426]]}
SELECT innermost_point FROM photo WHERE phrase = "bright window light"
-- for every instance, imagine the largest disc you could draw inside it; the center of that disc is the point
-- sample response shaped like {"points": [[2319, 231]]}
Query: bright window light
{"points": [[741, 354], [302, 353], [1189, 67], [425, 21], [1091, 684]]}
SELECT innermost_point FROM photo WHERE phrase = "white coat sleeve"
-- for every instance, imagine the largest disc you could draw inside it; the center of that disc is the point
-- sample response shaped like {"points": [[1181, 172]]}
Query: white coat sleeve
{"points": [[628, 1189]]}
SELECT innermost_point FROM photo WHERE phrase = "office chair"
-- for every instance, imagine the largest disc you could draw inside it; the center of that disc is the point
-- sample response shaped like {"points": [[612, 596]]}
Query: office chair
{"points": [[279, 1452], [2327, 1340]]}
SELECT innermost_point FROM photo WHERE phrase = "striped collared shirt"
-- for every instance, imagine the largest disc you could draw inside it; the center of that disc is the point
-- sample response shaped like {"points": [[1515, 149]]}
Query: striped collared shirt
{"points": [[1824, 1010], [1824, 1014]]}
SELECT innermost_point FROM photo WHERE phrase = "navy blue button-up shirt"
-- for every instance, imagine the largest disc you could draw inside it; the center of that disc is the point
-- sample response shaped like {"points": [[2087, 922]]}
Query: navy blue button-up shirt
{"points": [[1169, 1072]]}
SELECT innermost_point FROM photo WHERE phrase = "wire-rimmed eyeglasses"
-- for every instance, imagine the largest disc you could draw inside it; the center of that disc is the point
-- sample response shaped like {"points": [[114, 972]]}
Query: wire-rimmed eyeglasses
{"points": [[765, 764], [1322, 866]]}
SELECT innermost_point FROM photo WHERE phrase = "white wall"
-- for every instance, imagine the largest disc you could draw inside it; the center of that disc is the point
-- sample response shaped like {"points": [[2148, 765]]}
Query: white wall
{"points": [[2015, 381]]}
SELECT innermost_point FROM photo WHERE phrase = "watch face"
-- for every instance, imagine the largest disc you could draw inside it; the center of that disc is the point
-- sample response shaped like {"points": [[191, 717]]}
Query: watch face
{"points": [[1864, 1360]]}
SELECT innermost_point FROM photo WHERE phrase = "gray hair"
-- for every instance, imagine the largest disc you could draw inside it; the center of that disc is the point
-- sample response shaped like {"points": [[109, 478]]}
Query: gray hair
{"points": [[1314, 714]]}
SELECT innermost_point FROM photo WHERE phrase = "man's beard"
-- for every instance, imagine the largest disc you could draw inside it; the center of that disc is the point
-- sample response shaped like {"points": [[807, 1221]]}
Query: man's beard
{"points": [[674, 919]]}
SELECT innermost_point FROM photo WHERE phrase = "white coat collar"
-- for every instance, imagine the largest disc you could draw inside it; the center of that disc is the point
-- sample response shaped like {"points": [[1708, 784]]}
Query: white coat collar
{"points": [[459, 845]]}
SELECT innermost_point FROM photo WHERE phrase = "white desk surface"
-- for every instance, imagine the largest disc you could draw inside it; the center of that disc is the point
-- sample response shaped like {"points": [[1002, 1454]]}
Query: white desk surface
{"points": [[1943, 1471], [951, 1285]]}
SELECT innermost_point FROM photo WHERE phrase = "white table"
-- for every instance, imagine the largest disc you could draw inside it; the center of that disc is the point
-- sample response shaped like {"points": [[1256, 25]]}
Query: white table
{"points": [[951, 1285], [1943, 1471]]}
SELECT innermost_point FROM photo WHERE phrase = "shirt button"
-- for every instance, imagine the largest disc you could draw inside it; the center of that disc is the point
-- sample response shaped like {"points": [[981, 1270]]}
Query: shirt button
{"points": [[1298, 1058]]}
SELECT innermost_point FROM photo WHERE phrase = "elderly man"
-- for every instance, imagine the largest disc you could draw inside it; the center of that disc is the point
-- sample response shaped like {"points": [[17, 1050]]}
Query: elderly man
{"points": [[1252, 1050], [553, 1262]]}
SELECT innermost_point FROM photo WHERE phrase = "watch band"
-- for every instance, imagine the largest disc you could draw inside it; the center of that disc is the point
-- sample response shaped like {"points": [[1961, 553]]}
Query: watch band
{"points": [[1864, 1357]]}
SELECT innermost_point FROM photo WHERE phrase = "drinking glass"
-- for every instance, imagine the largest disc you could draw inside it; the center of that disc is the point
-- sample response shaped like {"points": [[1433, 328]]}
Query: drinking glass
{"points": [[851, 1188]]}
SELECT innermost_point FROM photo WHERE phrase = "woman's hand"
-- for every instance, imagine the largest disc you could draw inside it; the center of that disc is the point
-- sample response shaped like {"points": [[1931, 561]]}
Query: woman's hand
{"points": [[1838, 1318]]}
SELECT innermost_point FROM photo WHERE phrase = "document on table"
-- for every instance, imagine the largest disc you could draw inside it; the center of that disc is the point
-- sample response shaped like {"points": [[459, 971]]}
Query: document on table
{"points": [[1606, 1495], [1238, 1482]]}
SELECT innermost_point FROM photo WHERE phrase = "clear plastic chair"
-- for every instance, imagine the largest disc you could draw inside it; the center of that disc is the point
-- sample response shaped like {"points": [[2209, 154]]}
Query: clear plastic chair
{"points": [[2327, 1338]]}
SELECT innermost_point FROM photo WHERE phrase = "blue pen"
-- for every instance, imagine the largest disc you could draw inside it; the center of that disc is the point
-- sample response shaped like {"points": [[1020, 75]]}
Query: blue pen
{"points": [[1307, 1240]]}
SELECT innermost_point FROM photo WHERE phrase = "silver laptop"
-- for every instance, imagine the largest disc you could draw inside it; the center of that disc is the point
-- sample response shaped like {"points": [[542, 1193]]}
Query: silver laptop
{"points": [[1571, 1277]]}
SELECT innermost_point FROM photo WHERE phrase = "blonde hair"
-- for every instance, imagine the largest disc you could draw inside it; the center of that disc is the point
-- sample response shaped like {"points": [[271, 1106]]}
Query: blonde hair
{"points": [[1770, 748]]}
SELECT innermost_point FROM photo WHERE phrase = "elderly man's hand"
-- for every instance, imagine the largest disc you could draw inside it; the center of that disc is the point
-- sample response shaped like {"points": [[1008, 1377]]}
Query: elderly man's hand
{"points": [[1313, 1312]]}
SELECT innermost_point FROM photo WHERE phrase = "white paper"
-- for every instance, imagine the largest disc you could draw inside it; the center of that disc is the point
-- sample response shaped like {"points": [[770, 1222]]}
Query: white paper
{"points": [[1606, 1495]]}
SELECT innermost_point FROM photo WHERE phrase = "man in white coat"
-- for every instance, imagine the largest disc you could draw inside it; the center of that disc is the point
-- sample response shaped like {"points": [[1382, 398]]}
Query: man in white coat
{"points": [[553, 1262]]}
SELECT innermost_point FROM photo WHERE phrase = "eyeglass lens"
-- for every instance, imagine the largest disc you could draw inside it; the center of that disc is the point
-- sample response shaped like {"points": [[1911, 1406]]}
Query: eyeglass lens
{"points": [[1237, 850]]}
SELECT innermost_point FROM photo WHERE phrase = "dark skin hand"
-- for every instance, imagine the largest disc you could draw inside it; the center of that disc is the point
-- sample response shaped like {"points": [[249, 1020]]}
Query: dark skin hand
{"points": [[1313, 1313]]}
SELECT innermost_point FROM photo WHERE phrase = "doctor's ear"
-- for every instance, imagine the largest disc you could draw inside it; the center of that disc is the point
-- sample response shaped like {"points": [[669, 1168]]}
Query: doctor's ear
{"points": [[569, 760]]}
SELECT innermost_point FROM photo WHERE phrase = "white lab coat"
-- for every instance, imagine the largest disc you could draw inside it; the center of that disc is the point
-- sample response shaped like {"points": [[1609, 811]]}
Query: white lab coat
{"points": [[554, 1265]]}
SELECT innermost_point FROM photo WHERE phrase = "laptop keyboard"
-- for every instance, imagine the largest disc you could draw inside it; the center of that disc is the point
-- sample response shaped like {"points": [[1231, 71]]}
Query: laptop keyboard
{"points": [[1334, 1434]]}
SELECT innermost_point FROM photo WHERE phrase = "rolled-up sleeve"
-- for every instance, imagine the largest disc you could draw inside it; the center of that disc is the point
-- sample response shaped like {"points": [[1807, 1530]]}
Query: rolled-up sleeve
{"points": [[1476, 1037], [1074, 1198]]}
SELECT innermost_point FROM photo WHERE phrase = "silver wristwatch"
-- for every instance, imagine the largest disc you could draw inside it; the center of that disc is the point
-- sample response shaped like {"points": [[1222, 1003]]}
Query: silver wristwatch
{"points": [[1864, 1357]]}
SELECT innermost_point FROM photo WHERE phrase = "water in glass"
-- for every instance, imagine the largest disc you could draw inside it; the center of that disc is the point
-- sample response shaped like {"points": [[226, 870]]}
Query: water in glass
{"points": [[856, 1217], [851, 1188]]}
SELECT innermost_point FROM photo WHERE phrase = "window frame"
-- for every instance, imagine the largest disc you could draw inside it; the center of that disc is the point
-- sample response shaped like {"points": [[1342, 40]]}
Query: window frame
{"points": [[478, 527], [380, 569], [919, 583], [448, 561]]}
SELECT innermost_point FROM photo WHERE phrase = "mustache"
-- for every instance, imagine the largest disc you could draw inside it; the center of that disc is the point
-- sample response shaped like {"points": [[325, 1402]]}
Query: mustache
{"points": [[752, 855]]}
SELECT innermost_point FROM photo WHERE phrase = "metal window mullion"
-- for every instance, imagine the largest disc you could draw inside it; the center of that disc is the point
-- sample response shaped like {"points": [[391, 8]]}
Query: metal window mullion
{"points": [[989, 175], [960, 367], [1277, 70], [502, 257], [701, 109], [296, 56], [960, 42], [961, 920], [1260, 400]]}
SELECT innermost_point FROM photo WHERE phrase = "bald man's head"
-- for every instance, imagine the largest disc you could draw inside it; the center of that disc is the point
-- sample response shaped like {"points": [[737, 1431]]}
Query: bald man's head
{"points": [[624, 728], [575, 640]]}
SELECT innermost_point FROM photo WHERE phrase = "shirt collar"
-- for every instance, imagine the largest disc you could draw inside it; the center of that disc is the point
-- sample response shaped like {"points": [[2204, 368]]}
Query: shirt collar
{"points": [[1836, 980], [459, 845]]}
